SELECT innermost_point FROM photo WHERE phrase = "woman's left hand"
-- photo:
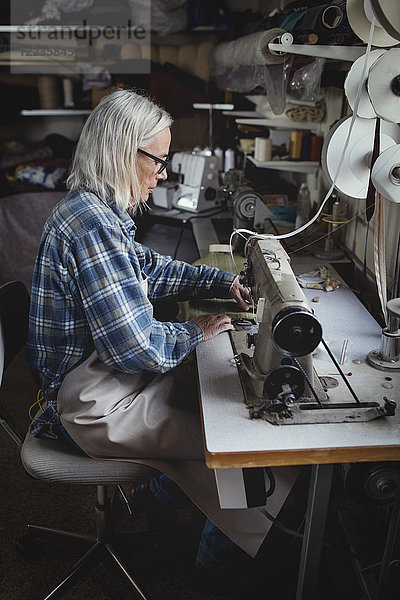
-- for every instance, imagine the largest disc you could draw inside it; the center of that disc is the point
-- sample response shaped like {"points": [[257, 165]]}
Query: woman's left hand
{"points": [[241, 294]]}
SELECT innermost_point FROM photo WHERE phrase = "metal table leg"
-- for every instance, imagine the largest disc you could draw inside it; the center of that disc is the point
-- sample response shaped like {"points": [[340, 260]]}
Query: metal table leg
{"points": [[317, 507], [389, 546]]}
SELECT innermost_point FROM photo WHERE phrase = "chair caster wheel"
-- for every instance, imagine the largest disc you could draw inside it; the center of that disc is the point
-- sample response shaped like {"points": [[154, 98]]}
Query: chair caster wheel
{"points": [[28, 547]]}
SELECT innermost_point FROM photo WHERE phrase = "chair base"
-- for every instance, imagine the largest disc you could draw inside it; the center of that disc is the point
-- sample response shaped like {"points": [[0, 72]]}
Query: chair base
{"points": [[98, 550]]}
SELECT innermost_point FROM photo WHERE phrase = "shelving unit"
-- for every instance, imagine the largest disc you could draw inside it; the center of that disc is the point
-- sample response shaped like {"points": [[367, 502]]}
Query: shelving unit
{"points": [[346, 53], [281, 123], [339, 53], [56, 112], [286, 165], [243, 114]]}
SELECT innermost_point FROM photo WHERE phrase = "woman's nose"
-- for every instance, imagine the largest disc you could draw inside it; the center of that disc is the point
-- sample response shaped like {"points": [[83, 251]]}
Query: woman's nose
{"points": [[162, 175]]}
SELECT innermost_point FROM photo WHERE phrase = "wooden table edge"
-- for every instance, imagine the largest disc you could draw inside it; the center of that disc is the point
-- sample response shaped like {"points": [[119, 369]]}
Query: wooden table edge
{"points": [[306, 456]]}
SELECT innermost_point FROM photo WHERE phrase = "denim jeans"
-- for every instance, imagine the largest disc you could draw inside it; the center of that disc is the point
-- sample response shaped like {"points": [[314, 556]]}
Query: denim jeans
{"points": [[216, 551]]}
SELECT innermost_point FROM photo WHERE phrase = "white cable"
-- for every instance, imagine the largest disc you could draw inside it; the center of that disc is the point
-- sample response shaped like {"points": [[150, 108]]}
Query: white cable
{"points": [[231, 247], [282, 236]]}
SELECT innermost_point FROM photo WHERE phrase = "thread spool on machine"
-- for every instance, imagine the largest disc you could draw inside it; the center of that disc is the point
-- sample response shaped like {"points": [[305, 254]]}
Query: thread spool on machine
{"points": [[334, 220]]}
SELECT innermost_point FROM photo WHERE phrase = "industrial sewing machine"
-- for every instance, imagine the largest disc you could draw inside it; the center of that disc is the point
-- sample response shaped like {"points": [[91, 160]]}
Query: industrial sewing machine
{"points": [[276, 362]]}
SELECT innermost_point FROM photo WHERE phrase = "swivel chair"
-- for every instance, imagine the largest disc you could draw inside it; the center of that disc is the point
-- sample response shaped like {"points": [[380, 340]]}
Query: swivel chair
{"points": [[59, 461]]}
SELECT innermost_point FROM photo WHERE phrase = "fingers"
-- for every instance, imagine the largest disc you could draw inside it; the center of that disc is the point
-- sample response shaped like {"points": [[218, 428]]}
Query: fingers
{"points": [[241, 294], [212, 325], [243, 303]]}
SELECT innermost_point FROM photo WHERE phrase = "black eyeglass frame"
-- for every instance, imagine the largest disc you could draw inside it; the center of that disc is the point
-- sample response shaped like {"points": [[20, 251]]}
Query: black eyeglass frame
{"points": [[164, 163]]}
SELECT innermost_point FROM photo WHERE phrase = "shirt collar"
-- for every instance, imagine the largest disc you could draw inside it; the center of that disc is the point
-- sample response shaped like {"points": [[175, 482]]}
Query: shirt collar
{"points": [[126, 221]]}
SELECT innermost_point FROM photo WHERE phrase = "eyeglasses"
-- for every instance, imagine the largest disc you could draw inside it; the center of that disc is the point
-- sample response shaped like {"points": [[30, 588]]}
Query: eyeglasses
{"points": [[163, 163]]}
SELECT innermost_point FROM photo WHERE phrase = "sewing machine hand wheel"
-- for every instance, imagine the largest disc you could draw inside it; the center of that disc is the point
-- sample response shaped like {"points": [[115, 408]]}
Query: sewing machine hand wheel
{"points": [[296, 332]]}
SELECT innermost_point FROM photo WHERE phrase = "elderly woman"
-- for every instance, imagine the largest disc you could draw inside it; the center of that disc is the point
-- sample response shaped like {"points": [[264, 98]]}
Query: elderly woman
{"points": [[113, 376]]}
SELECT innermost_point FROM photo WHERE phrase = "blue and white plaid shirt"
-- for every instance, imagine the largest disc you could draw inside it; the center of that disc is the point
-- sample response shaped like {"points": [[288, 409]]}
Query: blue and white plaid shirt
{"points": [[86, 290]]}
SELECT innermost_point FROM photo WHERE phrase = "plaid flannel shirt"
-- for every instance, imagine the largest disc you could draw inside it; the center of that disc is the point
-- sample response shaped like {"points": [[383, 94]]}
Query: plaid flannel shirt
{"points": [[86, 290]]}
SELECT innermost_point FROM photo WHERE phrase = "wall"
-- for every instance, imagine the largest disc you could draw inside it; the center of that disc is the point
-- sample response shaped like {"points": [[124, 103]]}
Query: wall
{"points": [[35, 129]]}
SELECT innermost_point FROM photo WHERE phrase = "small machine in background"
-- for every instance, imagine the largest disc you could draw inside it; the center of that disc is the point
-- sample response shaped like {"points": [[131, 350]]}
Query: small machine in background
{"points": [[197, 188]]}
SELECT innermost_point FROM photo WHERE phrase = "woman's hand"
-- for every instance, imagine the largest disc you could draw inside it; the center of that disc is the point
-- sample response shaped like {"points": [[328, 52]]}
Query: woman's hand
{"points": [[212, 325], [241, 294]]}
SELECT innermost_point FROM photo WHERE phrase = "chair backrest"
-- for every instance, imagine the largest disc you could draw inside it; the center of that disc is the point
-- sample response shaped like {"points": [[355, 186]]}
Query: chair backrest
{"points": [[14, 312]]}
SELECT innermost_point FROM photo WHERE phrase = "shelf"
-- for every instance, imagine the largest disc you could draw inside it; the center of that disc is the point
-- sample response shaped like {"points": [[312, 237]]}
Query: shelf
{"points": [[55, 112], [245, 114], [286, 165], [281, 124], [349, 53]]}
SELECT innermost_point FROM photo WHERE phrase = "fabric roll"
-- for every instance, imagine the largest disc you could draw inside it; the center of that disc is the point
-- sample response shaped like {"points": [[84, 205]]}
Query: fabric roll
{"points": [[168, 54], [319, 19], [187, 58], [249, 50], [49, 92], [290, 21]]}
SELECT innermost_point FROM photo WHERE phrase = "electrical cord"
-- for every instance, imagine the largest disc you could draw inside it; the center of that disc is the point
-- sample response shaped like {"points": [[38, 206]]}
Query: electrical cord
{"points": [[299, 535], [280, 525], [272, 482], [294, 533], [274, 227], [178, 242], [393, 563]]}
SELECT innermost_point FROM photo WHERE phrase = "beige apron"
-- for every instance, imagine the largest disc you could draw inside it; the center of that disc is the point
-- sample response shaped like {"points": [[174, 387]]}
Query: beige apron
{"points": [[154, 419]]}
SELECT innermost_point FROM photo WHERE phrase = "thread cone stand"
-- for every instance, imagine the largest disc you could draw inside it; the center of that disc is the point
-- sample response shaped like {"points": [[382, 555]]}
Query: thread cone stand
{"points": [[330, 252], [387, 358]]}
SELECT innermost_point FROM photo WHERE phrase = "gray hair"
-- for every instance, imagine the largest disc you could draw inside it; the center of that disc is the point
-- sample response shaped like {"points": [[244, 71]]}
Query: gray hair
{"points": [[105, 157]]}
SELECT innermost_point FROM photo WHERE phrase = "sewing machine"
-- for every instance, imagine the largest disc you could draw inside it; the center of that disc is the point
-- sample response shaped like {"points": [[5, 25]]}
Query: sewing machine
{"points": [[276, 362], [198, 186]]}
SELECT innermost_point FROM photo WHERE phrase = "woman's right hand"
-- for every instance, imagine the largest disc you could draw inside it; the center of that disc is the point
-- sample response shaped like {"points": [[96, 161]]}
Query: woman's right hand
{"points": [[212, 325]]}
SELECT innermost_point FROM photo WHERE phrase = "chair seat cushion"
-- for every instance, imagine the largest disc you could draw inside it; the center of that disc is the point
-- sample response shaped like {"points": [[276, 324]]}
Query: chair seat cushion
{"points": [[58, 460]]}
